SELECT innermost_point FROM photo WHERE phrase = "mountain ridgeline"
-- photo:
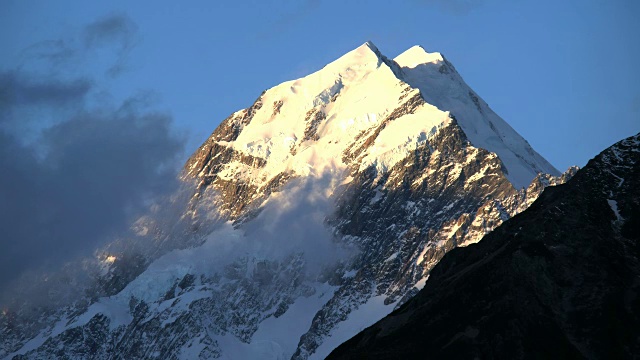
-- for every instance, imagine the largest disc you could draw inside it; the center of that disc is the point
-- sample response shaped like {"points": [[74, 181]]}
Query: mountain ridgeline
{"points": [[561, 280], [310, 215]]}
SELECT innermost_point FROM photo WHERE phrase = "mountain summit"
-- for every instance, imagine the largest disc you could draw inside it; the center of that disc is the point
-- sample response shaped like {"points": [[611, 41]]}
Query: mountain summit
{"points": [[314, 213]]}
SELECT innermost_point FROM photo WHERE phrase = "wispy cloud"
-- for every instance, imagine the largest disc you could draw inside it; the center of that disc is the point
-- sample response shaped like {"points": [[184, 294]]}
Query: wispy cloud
{"points": [[117, 33], [54, 52], [116, 30]]}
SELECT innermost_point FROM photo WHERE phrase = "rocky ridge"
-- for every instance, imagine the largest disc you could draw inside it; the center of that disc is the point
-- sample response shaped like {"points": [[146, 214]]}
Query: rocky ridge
{"points": [[560, 280]]}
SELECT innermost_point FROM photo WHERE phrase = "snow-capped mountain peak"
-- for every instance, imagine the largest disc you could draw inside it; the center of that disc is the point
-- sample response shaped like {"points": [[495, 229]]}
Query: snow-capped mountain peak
{"points": [[316, 211], [442, 86], [351, 65], [417, 55]]}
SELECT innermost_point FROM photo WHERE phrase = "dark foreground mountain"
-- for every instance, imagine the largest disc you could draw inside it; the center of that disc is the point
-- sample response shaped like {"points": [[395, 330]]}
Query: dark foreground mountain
{"points": [[559, 281], [316, 211]]}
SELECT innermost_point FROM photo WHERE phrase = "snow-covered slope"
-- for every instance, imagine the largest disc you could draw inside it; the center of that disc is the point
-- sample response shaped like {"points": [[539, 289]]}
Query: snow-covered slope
{"points": [[316, 211], [357, 93], [441, 85], [304, 127]]}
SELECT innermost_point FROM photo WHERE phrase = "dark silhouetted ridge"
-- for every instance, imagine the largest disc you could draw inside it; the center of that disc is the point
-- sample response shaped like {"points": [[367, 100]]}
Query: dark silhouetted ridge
{"points": [[560, 280]]}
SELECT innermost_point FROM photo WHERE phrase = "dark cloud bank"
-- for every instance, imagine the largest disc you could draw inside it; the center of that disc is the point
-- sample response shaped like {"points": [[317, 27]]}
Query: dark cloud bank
{"points": [[85, 175]]}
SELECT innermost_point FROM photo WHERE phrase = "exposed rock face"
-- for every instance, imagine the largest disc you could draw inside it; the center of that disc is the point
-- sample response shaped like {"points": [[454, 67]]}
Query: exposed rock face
{"points": [[365, 157], [560, 280], [405, 221]]}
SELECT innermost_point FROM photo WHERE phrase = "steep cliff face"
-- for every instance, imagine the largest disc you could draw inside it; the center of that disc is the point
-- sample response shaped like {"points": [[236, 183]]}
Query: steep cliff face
{"points": [[560, 280], [316, 212]]}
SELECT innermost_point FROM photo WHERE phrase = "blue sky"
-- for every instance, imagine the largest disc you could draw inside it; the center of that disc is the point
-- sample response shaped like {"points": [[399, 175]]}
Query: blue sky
{"points": [[563, 74]]}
